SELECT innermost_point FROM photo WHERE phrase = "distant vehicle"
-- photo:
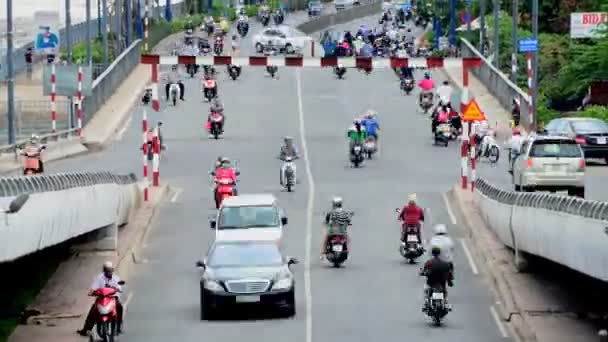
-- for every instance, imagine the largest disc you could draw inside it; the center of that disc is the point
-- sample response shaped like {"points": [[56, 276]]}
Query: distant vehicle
{"points": [[344, 4], [280, 37], [550, 163], [315, 8], [246, 272], [249, 217], [590, 133]]}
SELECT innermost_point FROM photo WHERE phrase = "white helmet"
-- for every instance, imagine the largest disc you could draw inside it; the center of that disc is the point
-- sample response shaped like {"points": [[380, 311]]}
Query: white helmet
{"points": [[108, 265], [440, 229], [412, 198]]}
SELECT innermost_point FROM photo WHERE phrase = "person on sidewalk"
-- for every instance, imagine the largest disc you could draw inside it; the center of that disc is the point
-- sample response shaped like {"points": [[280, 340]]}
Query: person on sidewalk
{"points": [[107, 278]]}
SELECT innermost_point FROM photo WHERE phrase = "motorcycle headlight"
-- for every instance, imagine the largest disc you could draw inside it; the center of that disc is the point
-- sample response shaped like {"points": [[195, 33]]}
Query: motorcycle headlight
{"points": [[213, 286], [283, 284]]}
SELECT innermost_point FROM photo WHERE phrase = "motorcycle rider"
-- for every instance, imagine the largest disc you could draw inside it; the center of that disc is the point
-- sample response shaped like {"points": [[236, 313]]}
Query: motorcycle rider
{"points": [[225, 170], [356, 134], [412, 215], [339, 69], [370, 123], [438, 274], [209, 74], [444, 243], [427, 85], [33, 148], [515, 142], [287, 150], [444, 92], [235, 44], [106, 279], [337, 221], [173, 78], [440, 116]]}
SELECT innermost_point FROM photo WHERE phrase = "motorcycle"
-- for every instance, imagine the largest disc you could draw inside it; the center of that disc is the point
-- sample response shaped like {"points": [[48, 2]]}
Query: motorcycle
{"points": [[224, 190], [340, 72], [427, 103], [174, 91], [265, 19], [435, 305], [369, 146], [107, 315], [242, 27], [210, 27], [234, 71], [488, 149], [411, 248], [272, 70], [337, 248], [215, 124], [278, 18], [209, 89], [31, 163], [218, 45], [192, 69], [356, 155], [443, 132], [289, 176], [407, 85]]}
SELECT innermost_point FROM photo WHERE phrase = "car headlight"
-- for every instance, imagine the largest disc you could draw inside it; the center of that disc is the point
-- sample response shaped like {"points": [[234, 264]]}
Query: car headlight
{"points": [[283, 284], [213, 286]]}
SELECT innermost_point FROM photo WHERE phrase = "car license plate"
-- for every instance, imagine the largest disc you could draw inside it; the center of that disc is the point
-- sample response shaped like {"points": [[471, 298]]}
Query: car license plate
{"points": [[412, 238], [601, 141], [337, 248], [247, 299], [437, 295]]}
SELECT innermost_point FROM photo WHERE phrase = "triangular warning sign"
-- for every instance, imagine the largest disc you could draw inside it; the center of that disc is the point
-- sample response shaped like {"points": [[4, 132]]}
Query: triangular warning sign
{"points": [[472, 112]]}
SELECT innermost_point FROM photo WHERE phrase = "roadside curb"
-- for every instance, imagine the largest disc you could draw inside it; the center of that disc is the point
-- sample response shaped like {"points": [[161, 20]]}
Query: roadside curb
{"points": [[478, 233]]}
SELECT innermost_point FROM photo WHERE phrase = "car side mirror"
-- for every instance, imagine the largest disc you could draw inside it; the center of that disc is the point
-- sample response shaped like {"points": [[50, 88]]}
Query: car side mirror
{"points": [[200, 264], [292, 261], [283, 220], [212, 224]]}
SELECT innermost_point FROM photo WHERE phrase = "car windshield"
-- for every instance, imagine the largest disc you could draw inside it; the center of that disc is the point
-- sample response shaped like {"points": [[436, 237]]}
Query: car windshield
{"points": [[555, 149], [590, 126], [245, 255], [248, 217]]}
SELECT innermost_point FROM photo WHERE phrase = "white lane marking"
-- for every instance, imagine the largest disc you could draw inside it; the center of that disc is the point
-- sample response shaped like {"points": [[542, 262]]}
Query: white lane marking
{"points": [[125, 305], [469, 256], [309, 212], [449, 208], [501, 327], [176, 195], [122, 131]]}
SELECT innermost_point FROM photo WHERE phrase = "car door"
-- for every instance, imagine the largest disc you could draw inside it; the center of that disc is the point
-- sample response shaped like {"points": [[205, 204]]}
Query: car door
{"points": [[281, 39]]}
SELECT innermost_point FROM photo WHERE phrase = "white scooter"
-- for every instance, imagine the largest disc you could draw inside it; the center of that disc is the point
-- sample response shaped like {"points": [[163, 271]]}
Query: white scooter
{"points": [[288, 174], [488, 149], [174, 93]]}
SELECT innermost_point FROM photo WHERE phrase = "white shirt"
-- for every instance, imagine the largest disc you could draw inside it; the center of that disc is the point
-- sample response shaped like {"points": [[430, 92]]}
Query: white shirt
{"points": [[516, 142], [445, 92], [101, 281], [446, 245]]}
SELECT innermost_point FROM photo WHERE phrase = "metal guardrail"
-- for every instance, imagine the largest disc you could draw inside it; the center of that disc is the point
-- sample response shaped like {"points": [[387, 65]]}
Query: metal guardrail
{"points": [[565, 204], [13, 186], [45, 138]]}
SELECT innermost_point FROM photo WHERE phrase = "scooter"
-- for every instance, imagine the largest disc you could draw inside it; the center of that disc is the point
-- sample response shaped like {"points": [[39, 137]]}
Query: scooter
{"points": [[272, 70], [356, 155], [340, 72], [427, 103], [107, 315], [209, 89], [215, 125], [218, 45], [411, 248], [289, 176], [407, 85], [31, 163], [234, 71], [337, 248], [265, 19], [443, 132], [370, 147], [174, 91], [243, 28], [488, 149], [224, 190]]}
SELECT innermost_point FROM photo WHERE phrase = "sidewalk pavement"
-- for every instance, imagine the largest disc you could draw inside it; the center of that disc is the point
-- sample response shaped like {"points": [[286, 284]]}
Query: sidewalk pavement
{"points": [[63, 303], [534, 308]]}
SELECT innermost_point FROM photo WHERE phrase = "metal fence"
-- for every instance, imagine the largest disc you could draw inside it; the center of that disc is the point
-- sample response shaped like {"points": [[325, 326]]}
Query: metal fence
{"points": [[565, 204], [33, 117], [13, 186]]}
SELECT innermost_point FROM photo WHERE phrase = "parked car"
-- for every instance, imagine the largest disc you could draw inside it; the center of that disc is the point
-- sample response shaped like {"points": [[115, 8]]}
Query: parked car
{"points": [[246, 272], [550, 163], [280, 37], [315, 8], [590, 133]]}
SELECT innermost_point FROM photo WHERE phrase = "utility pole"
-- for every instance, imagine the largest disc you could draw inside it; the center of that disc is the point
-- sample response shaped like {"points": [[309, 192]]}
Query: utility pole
{"points": [[98, 18], [452, 23], [535, 64], [88, 33], [496, 33], [482, 26], [10, 77], [514, 65], [104, 31], [68, 43]]}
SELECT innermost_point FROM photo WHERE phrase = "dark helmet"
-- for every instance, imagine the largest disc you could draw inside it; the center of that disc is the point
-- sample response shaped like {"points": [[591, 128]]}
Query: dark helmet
{"points": [[435, 251]]}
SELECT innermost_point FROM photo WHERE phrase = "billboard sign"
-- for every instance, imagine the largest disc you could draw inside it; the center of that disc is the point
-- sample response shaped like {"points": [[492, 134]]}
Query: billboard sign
{"points": [[47, 38], [66, 80], [587, 24]]}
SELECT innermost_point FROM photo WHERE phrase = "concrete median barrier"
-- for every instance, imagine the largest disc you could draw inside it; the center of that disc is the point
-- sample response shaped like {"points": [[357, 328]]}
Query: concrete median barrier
{"points": [[64, 206], [567, 230]]}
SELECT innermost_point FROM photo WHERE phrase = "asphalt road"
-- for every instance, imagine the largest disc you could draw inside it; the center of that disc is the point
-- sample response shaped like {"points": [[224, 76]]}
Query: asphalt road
{"points": [[376, 294]]}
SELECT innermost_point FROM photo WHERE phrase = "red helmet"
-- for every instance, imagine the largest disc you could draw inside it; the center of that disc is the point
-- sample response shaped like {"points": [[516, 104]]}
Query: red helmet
{"points": [[516, 131]]}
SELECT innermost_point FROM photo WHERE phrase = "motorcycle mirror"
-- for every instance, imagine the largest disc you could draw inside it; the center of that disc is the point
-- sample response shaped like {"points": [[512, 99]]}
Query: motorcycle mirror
{"points": [[292, 261], [121, 283], [212, 223], [212, 173], [200, 264], [284, 220]]}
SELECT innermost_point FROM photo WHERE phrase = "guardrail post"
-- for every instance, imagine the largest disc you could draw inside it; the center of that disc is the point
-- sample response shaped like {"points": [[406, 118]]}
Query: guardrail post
{"points": [[145, 150], [603, 335], [155, 102], [79, 97], [53, 98], [156, 158]]}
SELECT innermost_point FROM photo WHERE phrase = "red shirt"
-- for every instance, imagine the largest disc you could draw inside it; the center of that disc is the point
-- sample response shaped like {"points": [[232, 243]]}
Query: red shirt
{"points": [[412, 214], [220, 173]]}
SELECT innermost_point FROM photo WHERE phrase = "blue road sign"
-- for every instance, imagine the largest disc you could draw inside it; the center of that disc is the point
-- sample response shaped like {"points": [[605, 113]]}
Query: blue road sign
{"points": [[528, 45]]}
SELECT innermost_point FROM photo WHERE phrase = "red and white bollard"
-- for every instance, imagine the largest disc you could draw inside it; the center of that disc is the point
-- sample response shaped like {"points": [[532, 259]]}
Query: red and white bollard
{"points": [[464, 96], [155, 102], [464, 163], [473, 172], [79, 96], [53, 98], [530, 89], [146, 26], [156, 158], [145, 149]]}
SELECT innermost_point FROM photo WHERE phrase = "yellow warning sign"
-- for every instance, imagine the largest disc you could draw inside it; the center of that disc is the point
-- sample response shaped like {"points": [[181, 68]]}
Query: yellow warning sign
{"points": [[472, 112]]}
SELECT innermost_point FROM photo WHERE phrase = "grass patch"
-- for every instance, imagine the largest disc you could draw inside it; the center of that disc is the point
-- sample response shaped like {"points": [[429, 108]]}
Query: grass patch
{"points": [[25, 278]]}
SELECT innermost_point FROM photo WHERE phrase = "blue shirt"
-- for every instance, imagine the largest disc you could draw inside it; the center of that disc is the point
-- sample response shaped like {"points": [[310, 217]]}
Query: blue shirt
{"points": [[371, 125]]}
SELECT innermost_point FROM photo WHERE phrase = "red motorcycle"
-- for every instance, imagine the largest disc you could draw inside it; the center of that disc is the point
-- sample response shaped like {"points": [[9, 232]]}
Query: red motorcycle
{"points": [[32, 162], [209, 89], [215, 124], [411, 247], [224, 190], [106, 314]]}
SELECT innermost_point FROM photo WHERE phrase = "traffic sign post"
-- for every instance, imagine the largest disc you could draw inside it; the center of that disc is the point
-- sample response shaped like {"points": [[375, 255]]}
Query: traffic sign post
{"points": [[528, 45], [472, 112]]}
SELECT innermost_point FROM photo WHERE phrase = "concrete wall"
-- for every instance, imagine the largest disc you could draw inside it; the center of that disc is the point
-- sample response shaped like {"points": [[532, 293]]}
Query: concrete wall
{"points": [[497, 83], [64, 206], [567, 230]]}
